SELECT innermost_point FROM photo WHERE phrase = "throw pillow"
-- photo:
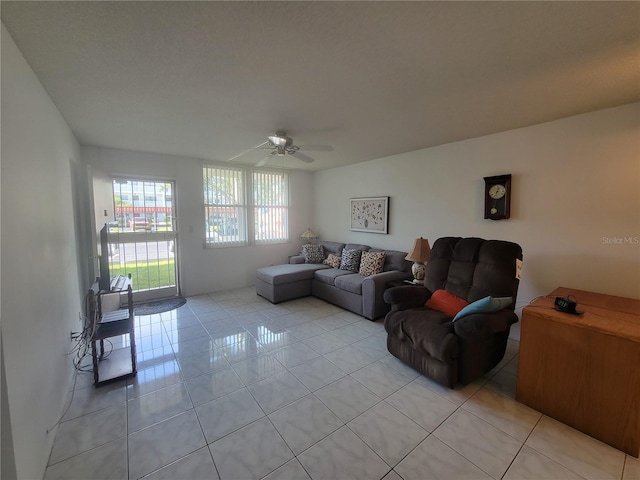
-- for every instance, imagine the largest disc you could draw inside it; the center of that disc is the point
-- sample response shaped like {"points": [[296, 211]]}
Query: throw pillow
{"points": [[371, 263], [332, 260], [313, 253], [350, 260], [485, 305], [446, 302]]}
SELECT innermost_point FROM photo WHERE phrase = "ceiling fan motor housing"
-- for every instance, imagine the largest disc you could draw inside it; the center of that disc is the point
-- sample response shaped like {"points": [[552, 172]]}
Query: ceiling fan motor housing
{"points": [[281, 140]]}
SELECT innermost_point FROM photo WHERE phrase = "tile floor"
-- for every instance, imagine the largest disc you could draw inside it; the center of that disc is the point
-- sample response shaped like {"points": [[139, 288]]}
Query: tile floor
{"points": [[232, 387]]}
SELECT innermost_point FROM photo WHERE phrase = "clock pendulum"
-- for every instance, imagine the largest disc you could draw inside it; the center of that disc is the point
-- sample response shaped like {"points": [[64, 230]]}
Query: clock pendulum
{"points": [[496, 193]]}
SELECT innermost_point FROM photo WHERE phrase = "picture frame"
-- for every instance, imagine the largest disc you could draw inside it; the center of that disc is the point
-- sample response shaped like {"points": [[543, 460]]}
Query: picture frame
{"points": [[369, 214]]}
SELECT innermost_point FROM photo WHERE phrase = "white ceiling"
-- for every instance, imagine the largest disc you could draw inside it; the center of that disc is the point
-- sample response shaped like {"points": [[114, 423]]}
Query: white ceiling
{"points": [[370, 79]]}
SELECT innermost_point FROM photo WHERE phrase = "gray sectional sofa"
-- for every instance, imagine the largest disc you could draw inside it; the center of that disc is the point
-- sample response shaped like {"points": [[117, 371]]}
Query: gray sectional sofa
{"points": [[354, 292]]}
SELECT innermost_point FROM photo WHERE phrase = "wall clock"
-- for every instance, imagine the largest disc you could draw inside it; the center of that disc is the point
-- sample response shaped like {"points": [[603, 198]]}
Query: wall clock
{"points": [[497, 197]]}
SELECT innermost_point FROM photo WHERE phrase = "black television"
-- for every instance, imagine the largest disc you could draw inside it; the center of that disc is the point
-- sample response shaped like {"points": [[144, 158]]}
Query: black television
{"points": [[104, 280]]}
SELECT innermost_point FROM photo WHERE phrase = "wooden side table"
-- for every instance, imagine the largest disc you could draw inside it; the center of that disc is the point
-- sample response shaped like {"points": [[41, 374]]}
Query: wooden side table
{"points": [[584, 370]]}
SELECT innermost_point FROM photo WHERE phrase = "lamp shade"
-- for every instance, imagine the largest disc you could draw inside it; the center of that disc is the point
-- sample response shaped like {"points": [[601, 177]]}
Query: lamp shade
{"points": [[420, 252], [309, 234]]}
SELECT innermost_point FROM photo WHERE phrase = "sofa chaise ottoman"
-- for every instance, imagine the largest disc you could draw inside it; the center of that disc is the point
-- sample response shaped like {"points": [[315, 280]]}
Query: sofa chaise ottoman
{"points": [[279, 283], [354, 290]]}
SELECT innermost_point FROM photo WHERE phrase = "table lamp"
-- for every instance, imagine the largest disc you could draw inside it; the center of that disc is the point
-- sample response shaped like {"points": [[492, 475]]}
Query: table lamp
{"points": [[419, 255], [308, 236]]}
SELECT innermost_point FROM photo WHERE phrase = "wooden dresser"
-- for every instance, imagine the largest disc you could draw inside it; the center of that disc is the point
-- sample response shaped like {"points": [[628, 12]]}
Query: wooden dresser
{"points": [[584, 370]]}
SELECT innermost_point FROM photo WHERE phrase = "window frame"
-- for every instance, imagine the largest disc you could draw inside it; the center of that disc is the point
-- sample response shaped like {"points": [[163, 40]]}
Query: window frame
{"points": [[247, 213], [272, 218]]}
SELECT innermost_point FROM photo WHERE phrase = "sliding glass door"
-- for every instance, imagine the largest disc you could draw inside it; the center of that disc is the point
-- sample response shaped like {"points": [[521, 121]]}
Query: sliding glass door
{"points": [[142, 239]]}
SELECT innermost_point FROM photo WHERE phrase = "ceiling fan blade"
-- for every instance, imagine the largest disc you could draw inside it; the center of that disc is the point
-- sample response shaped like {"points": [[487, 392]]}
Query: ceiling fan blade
{"points": [[303, 157], [247, 151], [263, 161], [316, 148]]}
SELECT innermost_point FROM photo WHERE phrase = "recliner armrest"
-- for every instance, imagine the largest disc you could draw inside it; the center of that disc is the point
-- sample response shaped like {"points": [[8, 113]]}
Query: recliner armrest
{"points": [[402, 298], [483, 339], [485, 324]]}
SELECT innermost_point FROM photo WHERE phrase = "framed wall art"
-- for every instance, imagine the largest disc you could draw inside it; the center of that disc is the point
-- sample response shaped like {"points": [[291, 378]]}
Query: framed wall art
{"points": [[370, 214]]}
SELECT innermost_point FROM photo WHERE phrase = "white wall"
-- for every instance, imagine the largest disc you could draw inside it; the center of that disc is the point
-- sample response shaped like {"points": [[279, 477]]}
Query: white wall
{"points": [[575, 181], [575, 191], [40, 289], [202, 269]]}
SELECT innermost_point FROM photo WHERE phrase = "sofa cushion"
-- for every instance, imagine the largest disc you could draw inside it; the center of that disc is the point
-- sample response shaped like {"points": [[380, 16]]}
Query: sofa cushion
{"points": [[371, 263], [429, 331], [351, 283], [357, 246], [350, 260], [446, 302], [394, 260], [484, 305], [332, 260], [313, 253], [329, 275], [287, 273], [332, 247]]}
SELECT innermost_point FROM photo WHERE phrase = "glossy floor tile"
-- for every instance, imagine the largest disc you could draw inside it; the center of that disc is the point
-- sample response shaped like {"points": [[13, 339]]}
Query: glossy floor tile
{"points": [[485, 446], [388, 432], [304, 423], [347, 398], [251, 452], [232, 387], [278, 391], [343, 455]]}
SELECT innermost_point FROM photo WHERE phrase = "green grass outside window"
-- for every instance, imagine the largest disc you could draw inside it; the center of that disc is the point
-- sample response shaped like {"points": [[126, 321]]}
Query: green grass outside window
{"points": [[146, 275]]}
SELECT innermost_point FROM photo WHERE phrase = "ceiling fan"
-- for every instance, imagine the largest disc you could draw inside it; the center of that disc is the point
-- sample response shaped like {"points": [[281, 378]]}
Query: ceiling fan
{"points": [[280, 145]]}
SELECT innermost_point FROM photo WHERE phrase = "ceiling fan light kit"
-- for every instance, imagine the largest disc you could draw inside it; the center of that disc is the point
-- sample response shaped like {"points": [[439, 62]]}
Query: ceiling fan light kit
{"points": [[280, 139], [280, 145]]}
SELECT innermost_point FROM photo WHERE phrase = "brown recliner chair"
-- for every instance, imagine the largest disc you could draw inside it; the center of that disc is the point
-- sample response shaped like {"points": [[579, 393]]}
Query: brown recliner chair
{"points": [[428, 340]]}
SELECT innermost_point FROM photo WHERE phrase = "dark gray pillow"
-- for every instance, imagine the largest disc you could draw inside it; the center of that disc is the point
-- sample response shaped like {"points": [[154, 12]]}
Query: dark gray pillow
{"points": [[350, 260]]}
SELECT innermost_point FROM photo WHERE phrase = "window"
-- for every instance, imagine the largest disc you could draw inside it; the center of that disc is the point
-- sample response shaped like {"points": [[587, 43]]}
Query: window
{"points": [[233, 218], [137, 207], [225, 206], [270, 207], [141, 242]]}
